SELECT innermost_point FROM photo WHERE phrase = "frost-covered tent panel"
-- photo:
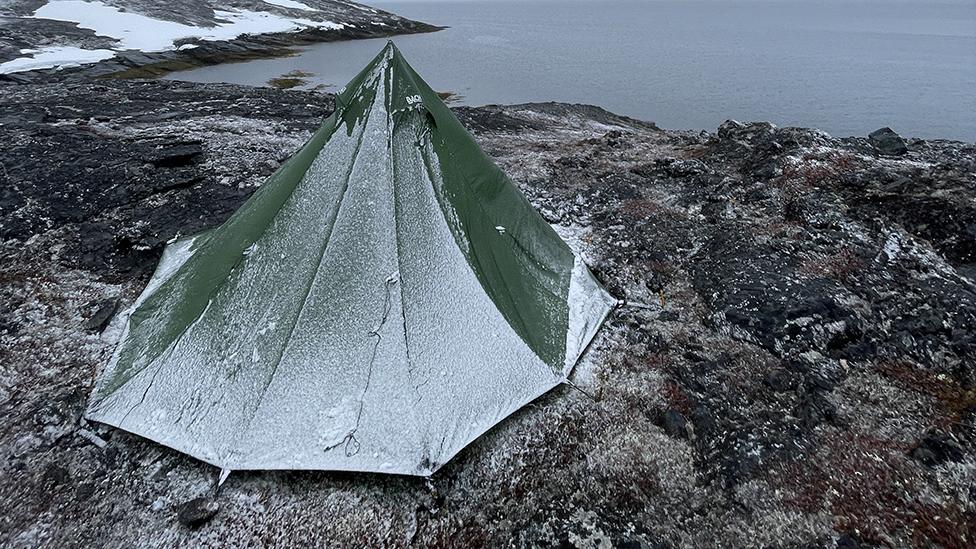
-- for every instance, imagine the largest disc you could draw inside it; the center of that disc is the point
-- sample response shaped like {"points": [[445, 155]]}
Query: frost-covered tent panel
{"points": [[387, 296]]}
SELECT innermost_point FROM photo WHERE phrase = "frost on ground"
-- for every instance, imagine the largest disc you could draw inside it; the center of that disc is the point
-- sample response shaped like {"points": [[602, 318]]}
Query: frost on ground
{"points": [[794, 366]]}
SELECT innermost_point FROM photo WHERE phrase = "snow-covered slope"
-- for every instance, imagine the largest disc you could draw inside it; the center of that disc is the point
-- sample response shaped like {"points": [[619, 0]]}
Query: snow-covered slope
{"points": [[60, 33]]}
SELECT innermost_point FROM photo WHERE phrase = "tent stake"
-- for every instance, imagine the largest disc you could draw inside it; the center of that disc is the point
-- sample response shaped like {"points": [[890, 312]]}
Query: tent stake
{"points": [[578, 388], [224, 473]]}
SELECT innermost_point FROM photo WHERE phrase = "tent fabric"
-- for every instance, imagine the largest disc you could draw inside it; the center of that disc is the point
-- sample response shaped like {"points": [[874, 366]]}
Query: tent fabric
{"points": [[385, 297]]}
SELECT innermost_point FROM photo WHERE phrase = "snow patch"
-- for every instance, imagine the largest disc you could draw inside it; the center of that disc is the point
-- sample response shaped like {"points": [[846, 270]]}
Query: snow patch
{"points": [[139, 32], [891, 250], [290, 4], [54, 56], [135, 31]]}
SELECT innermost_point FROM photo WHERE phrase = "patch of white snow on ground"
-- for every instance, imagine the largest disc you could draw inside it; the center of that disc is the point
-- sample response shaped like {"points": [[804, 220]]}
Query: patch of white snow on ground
{"points": [[139, 32], [290, 4], [54, 56]]}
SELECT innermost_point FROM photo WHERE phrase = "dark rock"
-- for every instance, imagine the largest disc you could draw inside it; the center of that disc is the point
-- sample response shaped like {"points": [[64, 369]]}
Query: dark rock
{"points": [[674, 167], [752, 132], [84, 491], [56, 474], [937, 448], [110, 456], [815, 409], [172, 155], [822, 380], [900, 185], [781, 380], [704, 421], [675, 424], [198, 511], [7, 323], [730, 128], [492, 118], [668, 316], [104, 310], [848, 541], [862, 350], [575, 161], [886, 141]]}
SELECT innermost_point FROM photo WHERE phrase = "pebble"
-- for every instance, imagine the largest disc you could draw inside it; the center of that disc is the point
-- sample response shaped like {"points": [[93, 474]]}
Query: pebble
{"points": [[197, 512]]}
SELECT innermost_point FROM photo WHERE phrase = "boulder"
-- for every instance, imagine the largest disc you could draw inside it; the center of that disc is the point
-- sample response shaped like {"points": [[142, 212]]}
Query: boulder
{"points": [[886, 141], [675, 424], [749, 133], [937, 448], [103, 312]]}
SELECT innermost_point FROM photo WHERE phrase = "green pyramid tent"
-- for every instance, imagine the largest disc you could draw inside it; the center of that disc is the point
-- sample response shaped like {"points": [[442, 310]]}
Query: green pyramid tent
{"points": [[386, 297]]}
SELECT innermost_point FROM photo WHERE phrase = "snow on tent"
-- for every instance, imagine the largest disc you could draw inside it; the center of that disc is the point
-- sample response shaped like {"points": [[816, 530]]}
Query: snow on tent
{"points": [[387, 296]]}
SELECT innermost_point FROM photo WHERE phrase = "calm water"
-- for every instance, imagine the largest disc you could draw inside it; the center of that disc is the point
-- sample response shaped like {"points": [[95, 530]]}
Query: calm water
{"points": [[848, 67]]}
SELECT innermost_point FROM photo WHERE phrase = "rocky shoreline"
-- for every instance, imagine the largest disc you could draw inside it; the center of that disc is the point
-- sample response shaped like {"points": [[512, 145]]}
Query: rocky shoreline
{"points": [[24, 33], [795, 365]]}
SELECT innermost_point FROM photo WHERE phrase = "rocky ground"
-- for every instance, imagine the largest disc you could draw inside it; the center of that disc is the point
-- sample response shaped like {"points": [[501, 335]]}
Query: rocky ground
{"points": [[19, 31], [794, 368]]}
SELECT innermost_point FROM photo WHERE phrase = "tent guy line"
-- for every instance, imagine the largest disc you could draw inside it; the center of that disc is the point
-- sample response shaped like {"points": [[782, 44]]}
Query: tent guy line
{"points": [[351, 437]]}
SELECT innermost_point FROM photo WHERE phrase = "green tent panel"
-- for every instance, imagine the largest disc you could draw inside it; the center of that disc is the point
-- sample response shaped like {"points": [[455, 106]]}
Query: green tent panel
{"points": [[383, 299]]}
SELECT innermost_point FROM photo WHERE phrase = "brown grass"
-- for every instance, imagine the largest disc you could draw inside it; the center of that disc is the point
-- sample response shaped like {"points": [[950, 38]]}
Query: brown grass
{"points": [[951, 397], [641, 208], [820, 170], [841, 266]]}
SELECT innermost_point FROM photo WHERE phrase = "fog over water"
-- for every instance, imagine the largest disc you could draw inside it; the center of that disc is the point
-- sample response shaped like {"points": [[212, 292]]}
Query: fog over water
{"points": [[847, 67]]}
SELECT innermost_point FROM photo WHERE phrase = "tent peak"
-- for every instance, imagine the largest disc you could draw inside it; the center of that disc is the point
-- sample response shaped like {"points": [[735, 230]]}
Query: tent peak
{"points": [[383, 299]]}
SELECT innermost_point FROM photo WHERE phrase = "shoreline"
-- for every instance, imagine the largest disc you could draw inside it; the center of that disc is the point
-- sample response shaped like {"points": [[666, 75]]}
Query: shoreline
{"points": [[127, 64], [258, 47]]}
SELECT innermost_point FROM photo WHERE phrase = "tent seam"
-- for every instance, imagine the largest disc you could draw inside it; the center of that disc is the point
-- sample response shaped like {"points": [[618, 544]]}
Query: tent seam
{"points": [[396, 238], [507, 292], [311, 282], [219, 286], [391, 129], [510, 298]]}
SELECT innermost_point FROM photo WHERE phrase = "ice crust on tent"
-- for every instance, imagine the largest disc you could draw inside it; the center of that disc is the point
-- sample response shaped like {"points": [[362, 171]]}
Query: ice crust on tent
{"points": [[355, 332], [589, 305]]}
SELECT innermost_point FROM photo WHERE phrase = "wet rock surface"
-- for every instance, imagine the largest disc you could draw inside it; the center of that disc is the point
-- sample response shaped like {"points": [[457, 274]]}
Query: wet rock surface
{"points": [[794, 365]]}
